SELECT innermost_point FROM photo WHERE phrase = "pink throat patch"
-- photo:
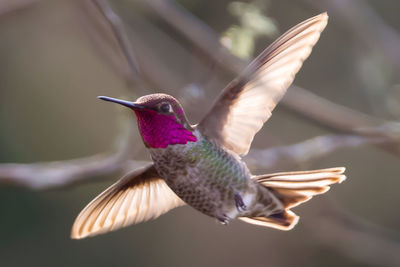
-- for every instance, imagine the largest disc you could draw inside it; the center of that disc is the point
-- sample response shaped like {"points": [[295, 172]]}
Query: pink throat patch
{"points": [[159, 131]]}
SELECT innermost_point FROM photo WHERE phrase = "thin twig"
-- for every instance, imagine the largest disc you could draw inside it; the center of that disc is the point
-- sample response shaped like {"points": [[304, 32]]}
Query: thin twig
{"points": [[63, 173], [109, 37], [344, 120], [120, 34], [45, 175], [196, 31], [304, 152]]}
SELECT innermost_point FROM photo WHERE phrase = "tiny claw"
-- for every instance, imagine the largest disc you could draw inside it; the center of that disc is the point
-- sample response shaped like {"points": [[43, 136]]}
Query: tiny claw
{"points": [[223, 219], [239, 202]]}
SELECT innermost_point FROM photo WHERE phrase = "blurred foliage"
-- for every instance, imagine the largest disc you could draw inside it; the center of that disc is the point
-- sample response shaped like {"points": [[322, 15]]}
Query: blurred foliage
{"points": [[240, 39]]}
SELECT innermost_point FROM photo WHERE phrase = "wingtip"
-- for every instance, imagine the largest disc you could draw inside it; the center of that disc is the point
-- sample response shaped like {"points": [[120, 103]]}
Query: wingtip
{"points": [[324, 15], [75, 234], [74, 237], [341, 170], [336, 170], [321, 20], [342, 178], [295, 221], [81, 235]]}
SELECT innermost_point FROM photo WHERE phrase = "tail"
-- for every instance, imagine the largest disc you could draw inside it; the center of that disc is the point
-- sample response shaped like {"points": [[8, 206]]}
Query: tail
{"points": [[292, 189]]}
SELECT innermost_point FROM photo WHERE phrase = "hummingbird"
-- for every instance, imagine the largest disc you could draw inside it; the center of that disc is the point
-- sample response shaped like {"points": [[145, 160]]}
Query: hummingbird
{"points": [[201, 165]]}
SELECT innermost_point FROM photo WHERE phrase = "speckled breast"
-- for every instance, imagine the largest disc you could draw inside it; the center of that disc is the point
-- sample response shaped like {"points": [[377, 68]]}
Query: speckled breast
{"points": [[203, 175]]}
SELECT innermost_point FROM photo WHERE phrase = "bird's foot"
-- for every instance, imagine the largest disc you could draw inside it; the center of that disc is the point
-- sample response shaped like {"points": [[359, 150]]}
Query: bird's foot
{"points": [[239, 202], [223, 219]]}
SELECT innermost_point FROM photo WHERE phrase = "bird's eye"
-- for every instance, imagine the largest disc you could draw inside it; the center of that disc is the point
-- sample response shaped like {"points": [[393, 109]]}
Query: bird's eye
{"points": [[165, 108]]}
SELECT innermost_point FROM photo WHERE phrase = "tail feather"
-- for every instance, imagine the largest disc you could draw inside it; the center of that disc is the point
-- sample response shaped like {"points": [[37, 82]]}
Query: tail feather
{"points": [[292, 189], [284, 221]]}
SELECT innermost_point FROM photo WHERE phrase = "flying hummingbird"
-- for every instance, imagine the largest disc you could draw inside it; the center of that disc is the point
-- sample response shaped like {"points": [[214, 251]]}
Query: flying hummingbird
{"points": [[201, 165]]}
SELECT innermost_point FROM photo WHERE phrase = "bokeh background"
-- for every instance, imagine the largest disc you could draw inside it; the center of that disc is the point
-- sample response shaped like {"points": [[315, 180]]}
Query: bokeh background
{"points": [[57, 56]]}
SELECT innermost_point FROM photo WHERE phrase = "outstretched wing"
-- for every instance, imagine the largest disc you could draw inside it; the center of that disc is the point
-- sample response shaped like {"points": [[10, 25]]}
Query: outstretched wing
{"points": [[138, 196], [247, 102]]}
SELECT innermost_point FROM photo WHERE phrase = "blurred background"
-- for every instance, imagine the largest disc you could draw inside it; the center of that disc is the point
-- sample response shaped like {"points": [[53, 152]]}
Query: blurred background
{"points": [[60, 146]]}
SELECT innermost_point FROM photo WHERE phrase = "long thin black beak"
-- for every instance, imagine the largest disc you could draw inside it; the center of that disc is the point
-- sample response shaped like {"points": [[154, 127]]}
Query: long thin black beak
{"points": [[125, 103]]}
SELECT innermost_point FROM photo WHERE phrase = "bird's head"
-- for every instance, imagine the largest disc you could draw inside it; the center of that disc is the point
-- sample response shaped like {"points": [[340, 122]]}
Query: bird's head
{"points": [[161, 120]]}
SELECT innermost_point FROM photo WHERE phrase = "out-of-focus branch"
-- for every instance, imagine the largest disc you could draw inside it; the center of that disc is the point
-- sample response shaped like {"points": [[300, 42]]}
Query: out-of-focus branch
{"points": [[120, 34], [44, 175], [62, 173], [110, 39], [345, 120], [330, 114], [196, 31], [304, 152], [341, 118]]}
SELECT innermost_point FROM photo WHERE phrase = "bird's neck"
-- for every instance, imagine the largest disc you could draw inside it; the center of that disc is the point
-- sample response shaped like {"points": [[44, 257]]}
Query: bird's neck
{"points": [[160, 131]]}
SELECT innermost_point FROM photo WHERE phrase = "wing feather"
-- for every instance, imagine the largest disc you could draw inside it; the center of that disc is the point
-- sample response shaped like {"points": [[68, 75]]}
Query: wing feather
{"points": [[139, 196], [247, 102]]}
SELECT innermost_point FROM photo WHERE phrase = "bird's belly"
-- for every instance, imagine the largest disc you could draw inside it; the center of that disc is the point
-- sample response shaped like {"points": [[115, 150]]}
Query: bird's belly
{"points": [[207, 184]]}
